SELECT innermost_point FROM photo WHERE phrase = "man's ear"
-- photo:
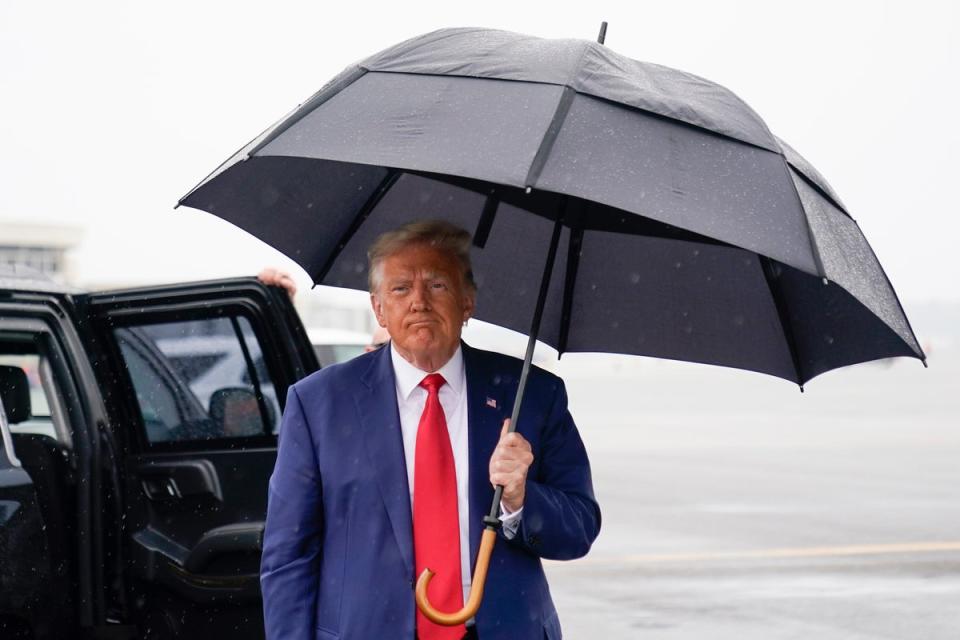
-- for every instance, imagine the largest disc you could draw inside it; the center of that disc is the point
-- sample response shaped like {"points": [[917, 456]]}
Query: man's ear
{"points": [[469, 304]]}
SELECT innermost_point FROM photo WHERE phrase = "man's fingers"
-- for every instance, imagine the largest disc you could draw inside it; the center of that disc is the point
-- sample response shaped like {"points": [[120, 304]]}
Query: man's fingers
{"points": [[515, 454], [513, 464], [510, 461], [507, 480], [519, 442], [514, 441]]}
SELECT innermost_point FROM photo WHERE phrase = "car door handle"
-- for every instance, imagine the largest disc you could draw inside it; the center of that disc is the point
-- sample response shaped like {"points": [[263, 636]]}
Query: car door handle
{"points": [[179, 479], [161, 488]]}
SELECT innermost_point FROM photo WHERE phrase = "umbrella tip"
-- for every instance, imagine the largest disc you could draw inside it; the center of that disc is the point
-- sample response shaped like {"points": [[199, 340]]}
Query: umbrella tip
{"points": [[825, 281], [925, 365], [603, 32], [801, 388]]}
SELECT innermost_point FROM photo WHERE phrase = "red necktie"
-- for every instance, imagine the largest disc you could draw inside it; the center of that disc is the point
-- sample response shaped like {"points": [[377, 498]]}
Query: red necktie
{"points": [[436, 525]]}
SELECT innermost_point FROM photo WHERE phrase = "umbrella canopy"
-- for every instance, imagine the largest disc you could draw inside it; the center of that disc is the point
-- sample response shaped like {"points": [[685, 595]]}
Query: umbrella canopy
{"points": [[686, 229]]}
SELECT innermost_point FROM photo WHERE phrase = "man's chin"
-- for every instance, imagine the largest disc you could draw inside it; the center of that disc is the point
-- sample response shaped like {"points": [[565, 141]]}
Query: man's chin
{"points": [[427, 349]]}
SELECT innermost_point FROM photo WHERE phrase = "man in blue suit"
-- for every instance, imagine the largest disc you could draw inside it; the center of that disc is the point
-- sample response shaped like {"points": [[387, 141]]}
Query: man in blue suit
{"points": [[387, 464]]}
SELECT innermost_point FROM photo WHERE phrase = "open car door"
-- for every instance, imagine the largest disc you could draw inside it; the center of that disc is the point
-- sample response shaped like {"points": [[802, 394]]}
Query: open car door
{"points": [[50, 507], [202, 371]]}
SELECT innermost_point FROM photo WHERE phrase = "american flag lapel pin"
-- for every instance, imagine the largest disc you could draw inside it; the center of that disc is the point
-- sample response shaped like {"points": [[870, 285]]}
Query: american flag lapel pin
{"points": [[491, 403]]}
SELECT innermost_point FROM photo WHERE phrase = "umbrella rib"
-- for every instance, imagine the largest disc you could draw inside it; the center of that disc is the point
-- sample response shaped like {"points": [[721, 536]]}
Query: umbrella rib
{"points": [[573, 263], [783, 314], [490, 206], [388, 181], [333, 88], [550, 136], [814, 249], [915, 347]]}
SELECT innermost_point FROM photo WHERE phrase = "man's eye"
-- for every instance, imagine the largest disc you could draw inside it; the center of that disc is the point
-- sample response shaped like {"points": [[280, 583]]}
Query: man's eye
{"points": [[439, 285], [400, 289]]}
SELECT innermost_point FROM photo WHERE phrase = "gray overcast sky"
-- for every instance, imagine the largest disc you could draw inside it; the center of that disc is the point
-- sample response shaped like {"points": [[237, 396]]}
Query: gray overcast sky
{"points": [[111, 111]]}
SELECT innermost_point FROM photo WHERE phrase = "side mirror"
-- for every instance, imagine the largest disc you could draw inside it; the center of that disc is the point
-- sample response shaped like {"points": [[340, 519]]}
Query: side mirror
{"points": [[236, 412]]}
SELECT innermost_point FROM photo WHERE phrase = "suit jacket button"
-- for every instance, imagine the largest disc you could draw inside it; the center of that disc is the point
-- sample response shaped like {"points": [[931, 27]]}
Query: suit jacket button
{"points": [[533, 541]]}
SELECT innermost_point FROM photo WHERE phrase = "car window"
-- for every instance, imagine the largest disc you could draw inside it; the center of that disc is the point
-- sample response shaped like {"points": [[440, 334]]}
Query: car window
{"points": [[156, 390], [328, 354], [199, 379], [260, 367], [43, 415], [30, 364]]}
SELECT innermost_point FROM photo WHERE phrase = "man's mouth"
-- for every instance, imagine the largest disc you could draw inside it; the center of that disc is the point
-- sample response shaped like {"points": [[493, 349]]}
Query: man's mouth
{"points": [[421, 322]]}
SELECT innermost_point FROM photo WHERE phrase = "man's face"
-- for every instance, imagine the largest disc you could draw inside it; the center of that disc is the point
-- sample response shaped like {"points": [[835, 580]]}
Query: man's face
{"points": [[422, 302]]}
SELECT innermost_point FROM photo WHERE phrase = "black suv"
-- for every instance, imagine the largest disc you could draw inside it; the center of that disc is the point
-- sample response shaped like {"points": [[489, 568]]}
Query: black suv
{"points": [[138, 435]]}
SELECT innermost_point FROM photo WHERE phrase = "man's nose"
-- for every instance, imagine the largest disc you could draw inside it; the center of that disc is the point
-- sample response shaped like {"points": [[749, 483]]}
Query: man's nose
{"points": [[421, 297]]}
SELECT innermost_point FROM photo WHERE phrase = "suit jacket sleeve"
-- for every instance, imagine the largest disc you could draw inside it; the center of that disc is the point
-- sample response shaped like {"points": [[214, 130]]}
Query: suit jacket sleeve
{"points": [[561, 517], [292, 539]]}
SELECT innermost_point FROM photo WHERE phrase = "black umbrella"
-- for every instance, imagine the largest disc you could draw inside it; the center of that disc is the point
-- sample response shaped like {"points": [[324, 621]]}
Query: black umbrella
{"points": [[652, 210]]}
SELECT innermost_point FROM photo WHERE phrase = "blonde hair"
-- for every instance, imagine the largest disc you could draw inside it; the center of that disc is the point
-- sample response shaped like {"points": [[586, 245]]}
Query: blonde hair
{"points": [[443, 235]]}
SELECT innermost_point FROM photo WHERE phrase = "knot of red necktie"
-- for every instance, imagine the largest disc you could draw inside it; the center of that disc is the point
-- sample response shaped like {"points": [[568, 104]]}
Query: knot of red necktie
{"points": [[432, 383]]}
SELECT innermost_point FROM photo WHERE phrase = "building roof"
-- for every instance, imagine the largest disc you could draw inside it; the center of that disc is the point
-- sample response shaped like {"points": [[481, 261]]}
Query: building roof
{"points": [[20, 277]]}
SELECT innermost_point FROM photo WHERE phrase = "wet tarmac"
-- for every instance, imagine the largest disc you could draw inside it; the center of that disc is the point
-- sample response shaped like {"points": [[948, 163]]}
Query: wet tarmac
{"points": [[736, 507]]}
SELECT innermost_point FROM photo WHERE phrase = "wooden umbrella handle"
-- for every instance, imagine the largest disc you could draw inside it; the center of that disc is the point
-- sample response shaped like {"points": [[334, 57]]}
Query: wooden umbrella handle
{"points": [[469, 610]]}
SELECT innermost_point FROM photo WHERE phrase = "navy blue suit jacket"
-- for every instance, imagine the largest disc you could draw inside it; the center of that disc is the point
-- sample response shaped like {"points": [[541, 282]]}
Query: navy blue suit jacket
{"points": [[338, 545]]}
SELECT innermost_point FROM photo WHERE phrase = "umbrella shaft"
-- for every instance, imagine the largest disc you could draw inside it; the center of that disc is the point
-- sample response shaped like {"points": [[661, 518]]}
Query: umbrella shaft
{"points": [[493, 519]]}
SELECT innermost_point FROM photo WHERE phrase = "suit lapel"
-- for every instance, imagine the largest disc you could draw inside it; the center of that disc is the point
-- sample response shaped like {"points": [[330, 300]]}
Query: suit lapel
{"points": [[485, 418], [376, 401]]}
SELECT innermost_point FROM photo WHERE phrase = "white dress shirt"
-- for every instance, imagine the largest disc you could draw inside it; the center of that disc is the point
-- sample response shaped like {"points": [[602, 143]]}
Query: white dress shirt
{"points": [[411, 398]]}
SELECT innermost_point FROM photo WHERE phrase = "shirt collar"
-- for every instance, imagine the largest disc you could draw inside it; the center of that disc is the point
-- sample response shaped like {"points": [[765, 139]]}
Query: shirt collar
{"points": [[409, 377]]}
